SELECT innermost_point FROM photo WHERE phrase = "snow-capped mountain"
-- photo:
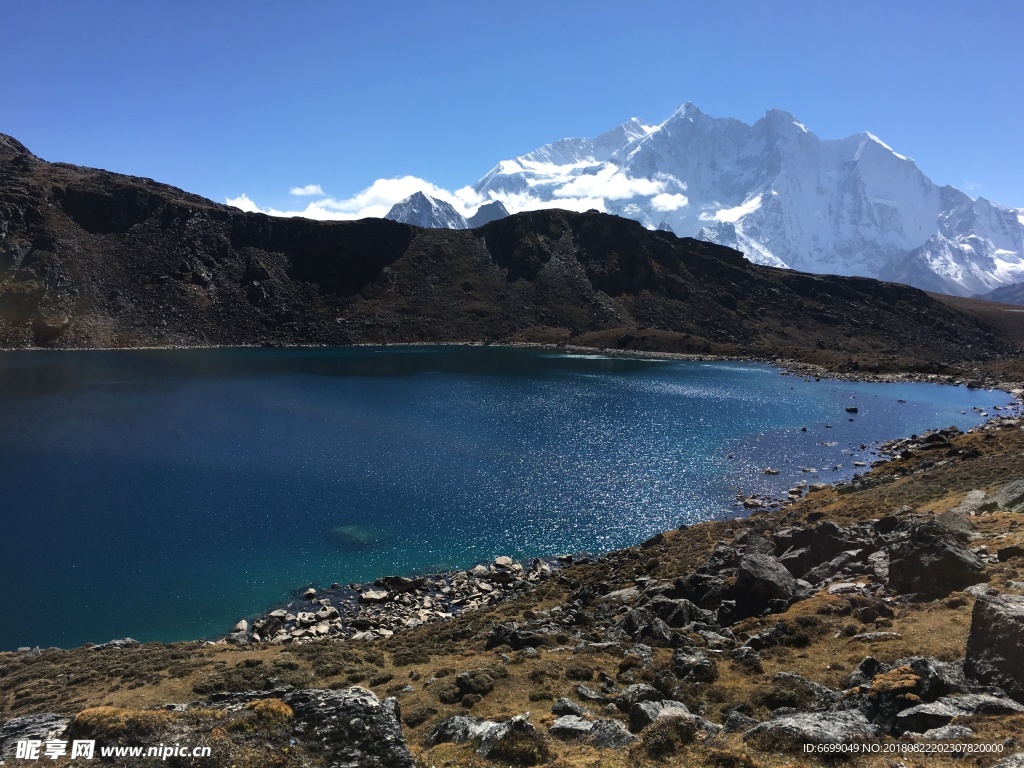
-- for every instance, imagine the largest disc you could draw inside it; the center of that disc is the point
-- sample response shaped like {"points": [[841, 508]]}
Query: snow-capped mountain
{"points": [[777, 192], [424, 211]]}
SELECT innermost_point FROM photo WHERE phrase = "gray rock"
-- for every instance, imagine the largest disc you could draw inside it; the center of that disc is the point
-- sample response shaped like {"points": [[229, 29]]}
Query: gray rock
{"points": [[677, 613], [736, 722], [924, 717], [957, 522], [760, 580], [792, 732], [460, 728], [610, 734], [932, 563], [641, 625], [509, 736], [636, 693], [1013, 761], [567, 707], [589, 694], [351, 727], [646, 712], [694, 665], [983, 704], [571, 728], [995, 645], [41, 727], [972, 503], [948, 733], [1010, 497]]}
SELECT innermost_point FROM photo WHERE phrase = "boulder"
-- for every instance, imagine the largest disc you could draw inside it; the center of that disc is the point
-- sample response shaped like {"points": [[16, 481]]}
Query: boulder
{"points": [[646, 712], [571, 728], [1010, 497], [932, 563], [610, 734], [694, 665], [458, 729], [641, 625], [350, 727], [567, 707], [677, 613], [792, 732], [515, 740], [634, 694], [983, 704], [924, 717], [760, 580], [995, 645]]}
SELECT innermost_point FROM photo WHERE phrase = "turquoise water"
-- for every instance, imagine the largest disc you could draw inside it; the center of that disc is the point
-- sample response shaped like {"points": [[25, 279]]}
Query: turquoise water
{"points": [[166, 494]]}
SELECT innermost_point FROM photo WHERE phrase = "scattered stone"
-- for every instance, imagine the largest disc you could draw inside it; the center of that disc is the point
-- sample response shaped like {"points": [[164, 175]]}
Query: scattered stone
{"points": [[309, 594]]}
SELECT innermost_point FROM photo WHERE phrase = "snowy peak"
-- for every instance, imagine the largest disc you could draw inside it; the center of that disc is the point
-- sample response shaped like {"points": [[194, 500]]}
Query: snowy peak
{"points": [[777, 192], [421, 210]]}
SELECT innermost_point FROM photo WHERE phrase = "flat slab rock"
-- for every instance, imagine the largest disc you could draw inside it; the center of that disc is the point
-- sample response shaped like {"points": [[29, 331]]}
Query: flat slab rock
{"points": [[792, 732], [601, 734]]}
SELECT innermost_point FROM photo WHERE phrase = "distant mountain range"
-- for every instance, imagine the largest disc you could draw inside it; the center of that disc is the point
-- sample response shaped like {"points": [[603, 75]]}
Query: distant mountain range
{"points": [[772, 190]]}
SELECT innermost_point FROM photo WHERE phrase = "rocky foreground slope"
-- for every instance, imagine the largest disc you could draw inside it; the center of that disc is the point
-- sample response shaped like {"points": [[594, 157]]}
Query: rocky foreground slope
{"points": [[94, 259], [880, 621]]}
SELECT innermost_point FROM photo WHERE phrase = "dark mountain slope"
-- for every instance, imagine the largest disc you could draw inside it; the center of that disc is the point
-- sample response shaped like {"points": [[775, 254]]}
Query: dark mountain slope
{"points": [[94, 259]]}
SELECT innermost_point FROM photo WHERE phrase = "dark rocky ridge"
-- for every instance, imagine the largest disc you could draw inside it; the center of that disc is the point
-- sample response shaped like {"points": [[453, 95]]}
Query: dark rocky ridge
{"points": [[95, 259]]}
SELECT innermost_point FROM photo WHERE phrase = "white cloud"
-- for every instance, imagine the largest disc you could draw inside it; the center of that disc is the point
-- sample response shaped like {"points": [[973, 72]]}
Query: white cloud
{"points": [[580, 194], [243, 202], [732, 215], [374, 201], [666, 202], [609, 184], [307, 191]]}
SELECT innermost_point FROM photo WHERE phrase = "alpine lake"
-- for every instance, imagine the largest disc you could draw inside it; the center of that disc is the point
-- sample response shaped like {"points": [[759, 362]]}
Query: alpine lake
{"points": [[165, 494]]}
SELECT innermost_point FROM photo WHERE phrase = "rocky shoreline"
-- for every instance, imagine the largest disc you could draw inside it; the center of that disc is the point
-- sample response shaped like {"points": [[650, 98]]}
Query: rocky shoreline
{"points": [[393, 604]]}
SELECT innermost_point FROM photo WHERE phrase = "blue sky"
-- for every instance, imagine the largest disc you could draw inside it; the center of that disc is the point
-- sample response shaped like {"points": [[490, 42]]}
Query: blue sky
{"points": [[256, 98]]}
